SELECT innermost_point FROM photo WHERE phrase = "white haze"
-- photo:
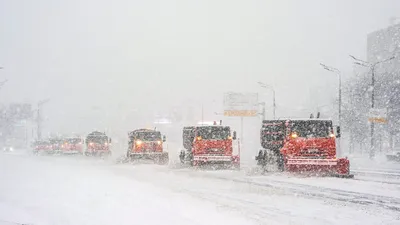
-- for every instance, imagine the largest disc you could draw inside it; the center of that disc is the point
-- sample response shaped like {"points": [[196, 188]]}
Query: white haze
{"points": [[113, 63]]}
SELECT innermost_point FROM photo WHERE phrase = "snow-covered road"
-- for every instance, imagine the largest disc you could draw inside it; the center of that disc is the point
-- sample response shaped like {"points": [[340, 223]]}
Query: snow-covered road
{"points": [[78, 190], [51, 190]]}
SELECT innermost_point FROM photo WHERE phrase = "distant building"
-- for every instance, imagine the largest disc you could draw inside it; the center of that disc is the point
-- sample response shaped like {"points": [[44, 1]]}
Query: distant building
{"points": [[383, 44]]}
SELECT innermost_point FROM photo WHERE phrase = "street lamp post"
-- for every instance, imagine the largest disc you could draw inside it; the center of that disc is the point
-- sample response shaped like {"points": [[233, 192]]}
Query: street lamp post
{"points": [[39, 121], [336, 71], [372, 68], [266, 86]]}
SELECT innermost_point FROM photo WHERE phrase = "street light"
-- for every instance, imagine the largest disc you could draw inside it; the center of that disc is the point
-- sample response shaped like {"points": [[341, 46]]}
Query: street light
{"points": [[372, 69], [39, 128], [266, 86], [336, 71]]}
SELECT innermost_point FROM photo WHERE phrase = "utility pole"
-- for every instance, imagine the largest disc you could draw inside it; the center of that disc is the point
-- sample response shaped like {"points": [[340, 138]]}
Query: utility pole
{"points": [[336, 71], [39, 119], [372, 67], [266, 86], [202, 114]]}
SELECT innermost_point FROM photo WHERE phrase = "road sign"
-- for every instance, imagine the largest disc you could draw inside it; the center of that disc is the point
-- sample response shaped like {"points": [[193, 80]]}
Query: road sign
{"points": [[240, 104], [377, 115]]}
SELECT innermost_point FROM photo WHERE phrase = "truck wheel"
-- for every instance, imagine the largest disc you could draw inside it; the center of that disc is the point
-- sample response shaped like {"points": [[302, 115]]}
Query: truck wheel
{"points": [[280, 162], [182, 157]]}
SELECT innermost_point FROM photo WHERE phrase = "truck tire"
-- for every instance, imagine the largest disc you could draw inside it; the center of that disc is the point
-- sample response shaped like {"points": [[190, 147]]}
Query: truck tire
{"points": [[182, 157]]}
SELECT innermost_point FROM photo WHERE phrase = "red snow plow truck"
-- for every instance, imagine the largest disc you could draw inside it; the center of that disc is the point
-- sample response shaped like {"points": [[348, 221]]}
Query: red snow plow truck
{"points": [[302, 145], [209, 144], [147, 144], [73, 145], [97, 144]]}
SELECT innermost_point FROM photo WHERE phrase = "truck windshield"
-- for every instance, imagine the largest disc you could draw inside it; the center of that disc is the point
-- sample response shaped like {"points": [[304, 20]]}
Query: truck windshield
{"points": [[312, 129], [97, 139], [148, 136], [273, 132], [214, 133], [56, 141], [74, 141]]}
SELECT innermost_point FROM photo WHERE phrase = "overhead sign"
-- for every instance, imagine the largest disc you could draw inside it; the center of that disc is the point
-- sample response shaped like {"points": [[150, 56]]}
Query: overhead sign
{"points": [[240, 104], [377, 115]]}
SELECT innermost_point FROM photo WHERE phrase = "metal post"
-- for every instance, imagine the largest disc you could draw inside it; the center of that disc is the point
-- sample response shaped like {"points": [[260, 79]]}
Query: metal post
{"points": [[263, 111], [340, 99], [266, 86], [39, 132], [241, 131], [202, 115], [274, 103], [339, 149], [39, 119], [372, 150]]}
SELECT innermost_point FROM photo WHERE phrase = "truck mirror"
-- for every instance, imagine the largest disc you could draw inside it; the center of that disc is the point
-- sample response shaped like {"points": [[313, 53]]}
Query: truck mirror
{"points": [[109, 140], [338, 132], [234, 135], [164, 138]]}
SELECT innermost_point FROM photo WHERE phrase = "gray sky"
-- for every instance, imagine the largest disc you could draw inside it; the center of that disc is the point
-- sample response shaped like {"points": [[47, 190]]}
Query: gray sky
{"points": [[123, 54]]}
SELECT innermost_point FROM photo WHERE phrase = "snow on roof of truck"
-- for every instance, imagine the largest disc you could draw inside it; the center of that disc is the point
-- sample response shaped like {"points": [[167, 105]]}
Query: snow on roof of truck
{"points": [[297, 119], [144, 130], [202, 126], [96, 133]]}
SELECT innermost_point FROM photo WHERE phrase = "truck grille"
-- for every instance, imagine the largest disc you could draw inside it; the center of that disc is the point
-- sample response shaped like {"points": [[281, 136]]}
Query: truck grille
{"points": [[215, 151], [314, 152]]}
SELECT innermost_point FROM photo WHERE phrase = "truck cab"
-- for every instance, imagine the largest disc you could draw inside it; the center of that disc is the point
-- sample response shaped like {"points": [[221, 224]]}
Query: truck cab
{"points": [[301, 145], [98, 143], [147, 144], [72, 145], [211, 144]]}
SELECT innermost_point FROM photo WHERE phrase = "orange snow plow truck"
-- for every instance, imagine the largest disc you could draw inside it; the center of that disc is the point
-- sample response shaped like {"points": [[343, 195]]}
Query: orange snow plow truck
{"points": [[147, 144], [210, 144], [302, 145]]}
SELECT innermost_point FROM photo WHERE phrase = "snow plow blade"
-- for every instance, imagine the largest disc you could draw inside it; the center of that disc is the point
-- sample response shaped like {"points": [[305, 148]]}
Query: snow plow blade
{"points": [[349, 176], [224, 162], [236, 162], [158, 158], [332, 167]]}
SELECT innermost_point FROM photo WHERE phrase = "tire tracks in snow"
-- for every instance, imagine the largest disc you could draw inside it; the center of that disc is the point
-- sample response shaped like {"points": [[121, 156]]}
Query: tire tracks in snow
{"points": [[391, 203]]}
